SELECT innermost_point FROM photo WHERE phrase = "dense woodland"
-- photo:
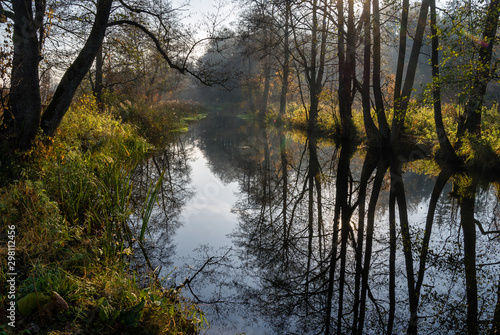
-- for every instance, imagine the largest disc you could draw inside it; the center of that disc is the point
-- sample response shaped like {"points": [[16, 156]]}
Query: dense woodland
{"points": [[364, 56], [409, 78]]}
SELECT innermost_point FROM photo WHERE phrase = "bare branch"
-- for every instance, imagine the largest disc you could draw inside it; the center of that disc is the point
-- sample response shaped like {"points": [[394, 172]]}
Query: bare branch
{"points": [[183, 68]]}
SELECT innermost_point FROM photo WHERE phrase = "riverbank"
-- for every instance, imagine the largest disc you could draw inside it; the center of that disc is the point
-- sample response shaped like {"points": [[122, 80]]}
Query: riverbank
{"points": [[67, 250], [480, 154]]}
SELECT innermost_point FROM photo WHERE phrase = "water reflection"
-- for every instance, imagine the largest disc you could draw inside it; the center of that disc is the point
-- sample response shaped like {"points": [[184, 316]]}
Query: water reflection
{"points": [[174, 192], [330, 239]]}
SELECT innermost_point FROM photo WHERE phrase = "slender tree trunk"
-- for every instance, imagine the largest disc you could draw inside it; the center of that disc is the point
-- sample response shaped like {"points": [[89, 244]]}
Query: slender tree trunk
{"points": [[444, 142], [317, 65], [311, 175], [392, 262], [344, 89], [77, 71], [252, 94], [341, 202], [470, 121], [341, 191], [377, 89], [332, 268], [441, 181], [286, 60], [313, 90], [347, 65], [266, 187], [284, 172], [264, 99], [397, 187], [99, 78], [401, 100], [319, 204], [371, 130], [403, 32]]}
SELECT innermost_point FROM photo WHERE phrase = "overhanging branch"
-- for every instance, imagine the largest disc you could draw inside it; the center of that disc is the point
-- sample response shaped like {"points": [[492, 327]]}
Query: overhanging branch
{"points": [[183, 68]]}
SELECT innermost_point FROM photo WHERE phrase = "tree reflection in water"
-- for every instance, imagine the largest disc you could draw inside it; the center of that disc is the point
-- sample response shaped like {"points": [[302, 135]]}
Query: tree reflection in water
{"points": [[334, 240], [173, 194]]}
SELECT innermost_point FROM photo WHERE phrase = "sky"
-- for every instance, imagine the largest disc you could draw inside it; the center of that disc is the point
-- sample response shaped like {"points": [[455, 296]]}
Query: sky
{"points": [[206, 10]]}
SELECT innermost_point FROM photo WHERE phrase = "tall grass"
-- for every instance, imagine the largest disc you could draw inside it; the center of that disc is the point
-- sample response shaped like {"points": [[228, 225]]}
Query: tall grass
{"points": [[71, 207]]}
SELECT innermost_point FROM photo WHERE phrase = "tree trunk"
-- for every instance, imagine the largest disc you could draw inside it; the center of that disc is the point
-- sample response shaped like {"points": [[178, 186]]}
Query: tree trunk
{"points": [[314, 98], [339, 193], [347, 54], [369, 166], [441, 181], [25, 100], [402, 98], [77, 71], [392, 262], [284, 172], [99, 78], [436, 88], [470, 121], [377, 90], [264, 99], [342, 206], [371, 130], [286, 61], [403, 32]]}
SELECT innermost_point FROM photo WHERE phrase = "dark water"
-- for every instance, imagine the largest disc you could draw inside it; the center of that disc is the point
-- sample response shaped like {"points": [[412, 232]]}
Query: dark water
{"points": [[281, 233]]}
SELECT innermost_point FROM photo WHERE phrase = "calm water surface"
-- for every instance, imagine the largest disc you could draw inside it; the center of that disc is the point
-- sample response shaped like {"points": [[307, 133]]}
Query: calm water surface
{"points": [[281, 233]]}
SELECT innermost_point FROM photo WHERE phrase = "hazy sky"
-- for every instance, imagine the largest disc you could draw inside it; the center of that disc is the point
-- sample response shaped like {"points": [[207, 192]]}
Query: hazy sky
{"points": [[199, 10]]}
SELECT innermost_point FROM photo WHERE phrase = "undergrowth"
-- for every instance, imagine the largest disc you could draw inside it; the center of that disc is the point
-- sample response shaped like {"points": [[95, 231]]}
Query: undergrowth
{"points": [[159, 121], [478, 153], [69, 208]]}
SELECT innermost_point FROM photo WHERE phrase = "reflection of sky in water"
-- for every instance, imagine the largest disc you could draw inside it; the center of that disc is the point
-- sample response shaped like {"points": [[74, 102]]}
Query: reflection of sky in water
{"points": [[207, 217], [207, 221], [210, 216]]}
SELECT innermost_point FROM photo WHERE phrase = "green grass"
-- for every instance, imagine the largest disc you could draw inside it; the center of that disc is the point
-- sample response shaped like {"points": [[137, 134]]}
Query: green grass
{"points": [[69, 205], [479, 153], [158, 122]]}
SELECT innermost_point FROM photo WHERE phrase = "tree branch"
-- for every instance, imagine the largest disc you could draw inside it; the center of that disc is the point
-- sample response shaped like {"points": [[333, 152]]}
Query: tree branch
{"points": [[5, 14], [182, 69]]}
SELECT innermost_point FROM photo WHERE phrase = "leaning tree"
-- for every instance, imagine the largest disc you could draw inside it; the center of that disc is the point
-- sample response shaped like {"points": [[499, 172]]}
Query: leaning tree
{"points": [[25, 117]]}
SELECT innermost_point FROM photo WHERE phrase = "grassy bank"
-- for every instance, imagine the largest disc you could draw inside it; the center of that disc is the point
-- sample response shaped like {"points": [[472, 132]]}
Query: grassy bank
{"points": [[479, 153], [65, 204]]}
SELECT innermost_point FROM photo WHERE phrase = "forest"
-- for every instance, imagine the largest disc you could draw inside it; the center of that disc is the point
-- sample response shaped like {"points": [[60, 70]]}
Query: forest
{"points": [[339, 100]]}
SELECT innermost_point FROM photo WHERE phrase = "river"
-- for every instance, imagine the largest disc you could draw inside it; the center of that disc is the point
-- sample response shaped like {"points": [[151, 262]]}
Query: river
{"points": [[281, 233]]}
